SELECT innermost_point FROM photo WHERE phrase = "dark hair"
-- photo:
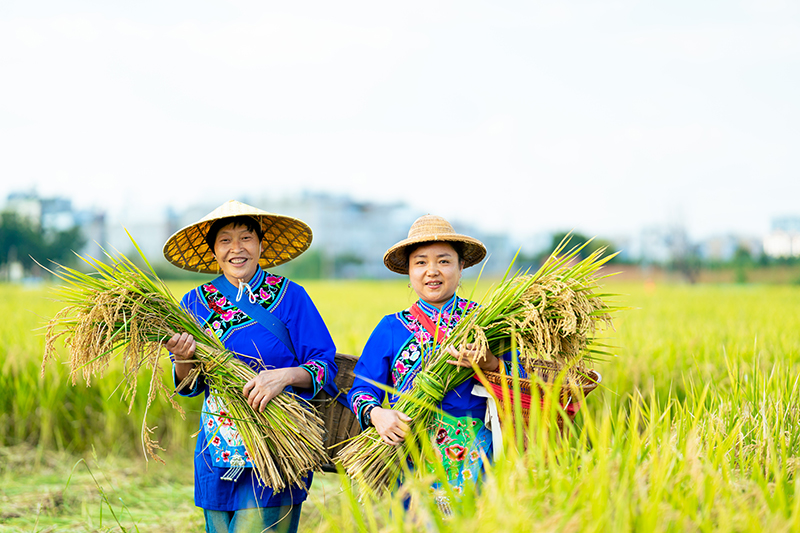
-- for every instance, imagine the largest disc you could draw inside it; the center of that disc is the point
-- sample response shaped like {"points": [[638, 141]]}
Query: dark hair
{"points": [[243, 220], [457, 246]]}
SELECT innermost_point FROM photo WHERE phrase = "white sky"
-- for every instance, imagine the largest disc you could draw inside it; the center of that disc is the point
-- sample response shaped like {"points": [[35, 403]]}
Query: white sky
{"points": [[518, 116]]}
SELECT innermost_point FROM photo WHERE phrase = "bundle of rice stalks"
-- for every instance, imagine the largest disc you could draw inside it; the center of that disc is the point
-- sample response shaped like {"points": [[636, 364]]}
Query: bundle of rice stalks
{"points": [[549, 317], [120, 310]]}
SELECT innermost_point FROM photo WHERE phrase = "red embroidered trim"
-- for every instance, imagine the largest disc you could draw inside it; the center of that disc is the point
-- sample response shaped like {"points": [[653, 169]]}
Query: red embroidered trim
{"points": [[438, 334]]}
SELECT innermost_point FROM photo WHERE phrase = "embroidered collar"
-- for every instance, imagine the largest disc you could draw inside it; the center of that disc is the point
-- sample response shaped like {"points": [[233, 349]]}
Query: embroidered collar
{"points": [[433, 311]]}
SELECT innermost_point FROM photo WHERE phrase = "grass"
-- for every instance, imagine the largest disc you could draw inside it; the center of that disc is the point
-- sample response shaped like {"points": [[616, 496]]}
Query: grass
{"points": [[61, 492], [696, 427]]}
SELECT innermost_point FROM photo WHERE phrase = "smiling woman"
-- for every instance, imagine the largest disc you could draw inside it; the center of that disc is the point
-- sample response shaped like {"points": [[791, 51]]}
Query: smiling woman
{"points": [[270, 324], [433, 256]]}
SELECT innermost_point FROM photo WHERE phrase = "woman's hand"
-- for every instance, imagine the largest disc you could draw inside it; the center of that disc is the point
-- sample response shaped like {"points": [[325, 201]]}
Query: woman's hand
{"points": [[468, 355], [269, 383], [391, 425], [183, 347]]}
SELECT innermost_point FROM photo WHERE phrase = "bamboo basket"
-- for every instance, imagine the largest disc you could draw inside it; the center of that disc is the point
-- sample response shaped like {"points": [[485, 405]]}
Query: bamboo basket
{"points": [[340, 422], [574, 388]]}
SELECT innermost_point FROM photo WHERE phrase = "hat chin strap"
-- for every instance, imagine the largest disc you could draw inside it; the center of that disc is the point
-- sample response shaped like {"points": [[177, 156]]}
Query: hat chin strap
{"points": [[242, 287]]}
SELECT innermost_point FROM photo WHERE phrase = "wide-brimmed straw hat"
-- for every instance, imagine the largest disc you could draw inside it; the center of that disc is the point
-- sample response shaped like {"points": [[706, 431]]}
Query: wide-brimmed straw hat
{"points": [[284, 239], [430, 228]]}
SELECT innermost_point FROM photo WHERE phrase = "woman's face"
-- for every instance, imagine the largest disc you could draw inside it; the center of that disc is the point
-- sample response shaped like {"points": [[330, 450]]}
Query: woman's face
{"points": [[434, 271], [237, 250]]}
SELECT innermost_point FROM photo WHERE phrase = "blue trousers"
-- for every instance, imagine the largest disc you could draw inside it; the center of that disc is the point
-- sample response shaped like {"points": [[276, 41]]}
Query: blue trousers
{"points": [[278, 519]]}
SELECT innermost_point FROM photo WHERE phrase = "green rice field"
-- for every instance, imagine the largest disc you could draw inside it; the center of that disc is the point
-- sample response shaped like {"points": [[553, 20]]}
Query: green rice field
{"points": [[696, 427]]}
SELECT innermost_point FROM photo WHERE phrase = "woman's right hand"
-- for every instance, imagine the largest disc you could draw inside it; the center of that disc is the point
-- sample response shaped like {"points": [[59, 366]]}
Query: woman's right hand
{"points": [[391, 425], [182, 346]]}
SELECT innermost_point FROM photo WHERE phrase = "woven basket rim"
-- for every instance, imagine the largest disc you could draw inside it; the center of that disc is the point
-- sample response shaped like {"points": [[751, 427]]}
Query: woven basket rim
{"points": [[590, 382]]}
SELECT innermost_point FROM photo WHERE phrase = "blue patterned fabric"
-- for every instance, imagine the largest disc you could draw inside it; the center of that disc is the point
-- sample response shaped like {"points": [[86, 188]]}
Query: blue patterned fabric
{"points": [[261, 350], [393, 356]]}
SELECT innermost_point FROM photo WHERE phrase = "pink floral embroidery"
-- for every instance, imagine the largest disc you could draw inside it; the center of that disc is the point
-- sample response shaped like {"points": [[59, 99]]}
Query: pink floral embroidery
{"points": [[318, 371], [215, 441], [226, 315], [442, 437], [456, 452], [360, 400], [224, 420], [226, 455]]}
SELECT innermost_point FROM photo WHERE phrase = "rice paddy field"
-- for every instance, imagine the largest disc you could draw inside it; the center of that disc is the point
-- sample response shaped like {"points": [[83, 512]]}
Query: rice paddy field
{"points": [[696, 427]]}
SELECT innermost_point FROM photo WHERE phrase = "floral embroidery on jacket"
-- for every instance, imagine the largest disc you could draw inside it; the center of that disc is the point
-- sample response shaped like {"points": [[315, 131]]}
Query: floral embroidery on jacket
{"points": [[226, 315], [407, 362]]}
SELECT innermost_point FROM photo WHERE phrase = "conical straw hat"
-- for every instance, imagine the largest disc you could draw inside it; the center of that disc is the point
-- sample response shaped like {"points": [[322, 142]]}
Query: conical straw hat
{"points": [[430, 228], [284, 239]]}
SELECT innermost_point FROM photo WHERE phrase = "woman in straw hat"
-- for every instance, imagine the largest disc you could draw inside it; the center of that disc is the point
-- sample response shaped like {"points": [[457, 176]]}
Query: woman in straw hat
{"points": [[238, 241], [433, 256]]}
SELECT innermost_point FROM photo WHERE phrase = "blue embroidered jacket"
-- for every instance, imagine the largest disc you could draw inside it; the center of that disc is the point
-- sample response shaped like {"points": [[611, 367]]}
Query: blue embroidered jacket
{"points": [[392, 356]]}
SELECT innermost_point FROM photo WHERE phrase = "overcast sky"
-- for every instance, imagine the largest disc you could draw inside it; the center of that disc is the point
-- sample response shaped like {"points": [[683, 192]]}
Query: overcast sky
{"points": [[518, 116]]}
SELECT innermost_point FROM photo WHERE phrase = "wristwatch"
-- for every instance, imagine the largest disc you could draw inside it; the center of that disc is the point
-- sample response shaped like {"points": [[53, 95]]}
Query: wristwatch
{"points": [[368, 415]]}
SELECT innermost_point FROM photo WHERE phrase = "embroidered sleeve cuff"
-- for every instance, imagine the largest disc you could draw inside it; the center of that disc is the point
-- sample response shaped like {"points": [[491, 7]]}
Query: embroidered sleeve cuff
{"points": [[198, 387], [319, 374], [360, 403]]}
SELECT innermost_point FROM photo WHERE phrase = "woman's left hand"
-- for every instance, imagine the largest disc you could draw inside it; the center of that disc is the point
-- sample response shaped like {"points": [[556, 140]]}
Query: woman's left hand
{"points": [[269, 383], [468, 355]]}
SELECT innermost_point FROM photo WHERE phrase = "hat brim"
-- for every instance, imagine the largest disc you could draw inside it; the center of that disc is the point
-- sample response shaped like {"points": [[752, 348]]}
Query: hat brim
{"points": [[284, 239], [396, 258]]}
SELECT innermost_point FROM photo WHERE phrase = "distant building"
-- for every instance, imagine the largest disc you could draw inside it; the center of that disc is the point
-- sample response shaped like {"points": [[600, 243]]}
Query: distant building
{"points": [[349, 236], [784, 238], [58, 214], [653, 245], [723, 248]]}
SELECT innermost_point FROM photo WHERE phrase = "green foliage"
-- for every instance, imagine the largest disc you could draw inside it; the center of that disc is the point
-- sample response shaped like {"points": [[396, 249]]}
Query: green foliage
{"points": [[22, 240], [694, 427]]}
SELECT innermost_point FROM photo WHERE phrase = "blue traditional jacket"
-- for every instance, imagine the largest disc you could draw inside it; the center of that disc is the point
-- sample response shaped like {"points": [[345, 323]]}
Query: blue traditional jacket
{"points": [[260, 349], [393, 356]]}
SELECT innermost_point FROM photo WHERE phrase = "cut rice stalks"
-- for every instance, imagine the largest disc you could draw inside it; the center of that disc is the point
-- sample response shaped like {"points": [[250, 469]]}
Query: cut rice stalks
{"points": [[120, 309], [551, 317]]}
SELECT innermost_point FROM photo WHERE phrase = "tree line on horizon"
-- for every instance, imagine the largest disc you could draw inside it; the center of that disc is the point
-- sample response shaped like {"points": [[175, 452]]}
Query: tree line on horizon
{"points": [[24, 241]]}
